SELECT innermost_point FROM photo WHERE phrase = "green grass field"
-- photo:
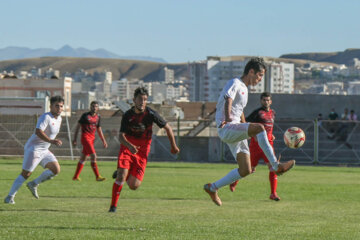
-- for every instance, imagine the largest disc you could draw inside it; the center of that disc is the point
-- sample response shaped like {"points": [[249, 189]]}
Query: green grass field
{"points": [[317, 203]]}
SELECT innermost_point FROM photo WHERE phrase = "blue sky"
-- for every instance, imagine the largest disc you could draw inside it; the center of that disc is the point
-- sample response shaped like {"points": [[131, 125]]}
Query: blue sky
{"points": [[183, 30]]}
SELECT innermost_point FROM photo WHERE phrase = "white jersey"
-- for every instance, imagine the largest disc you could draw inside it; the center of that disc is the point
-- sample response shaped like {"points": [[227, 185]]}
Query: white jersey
{"points": [[50, 126], [238, 92]]}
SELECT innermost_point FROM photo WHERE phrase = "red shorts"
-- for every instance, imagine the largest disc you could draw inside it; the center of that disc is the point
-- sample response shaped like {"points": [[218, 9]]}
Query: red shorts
{"points": [[88, 146], [256, 153], [135, 163]]}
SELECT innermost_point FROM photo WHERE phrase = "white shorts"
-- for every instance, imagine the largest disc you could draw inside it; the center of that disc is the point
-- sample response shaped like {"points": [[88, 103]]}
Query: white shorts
{"points": [[235, 135], [33, 158]]}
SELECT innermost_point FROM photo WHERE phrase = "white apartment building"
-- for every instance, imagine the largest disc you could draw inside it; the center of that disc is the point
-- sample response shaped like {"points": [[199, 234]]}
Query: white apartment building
{"points": [[167, 75], [124, 89], [279, 78]]}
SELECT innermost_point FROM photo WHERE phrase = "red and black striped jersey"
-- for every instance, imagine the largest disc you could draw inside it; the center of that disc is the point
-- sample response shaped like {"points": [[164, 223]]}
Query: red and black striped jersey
{"points": [[267, 118], [139, 125], [89, 124]]}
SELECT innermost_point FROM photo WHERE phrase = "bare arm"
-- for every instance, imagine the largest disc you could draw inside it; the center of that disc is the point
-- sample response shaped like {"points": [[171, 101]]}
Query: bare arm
{"points": [[101, 135], [76, 134], [242, 120], [170, 134], [227, 108], [40, 133], [133, 149]]}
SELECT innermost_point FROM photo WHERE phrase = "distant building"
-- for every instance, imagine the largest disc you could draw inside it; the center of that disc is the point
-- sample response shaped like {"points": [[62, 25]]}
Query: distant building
{"points": [[208, 78], [279, 78], [39, 88], [82, 100], [354, 88], [335, 88], [166, 75], [198, 81]]}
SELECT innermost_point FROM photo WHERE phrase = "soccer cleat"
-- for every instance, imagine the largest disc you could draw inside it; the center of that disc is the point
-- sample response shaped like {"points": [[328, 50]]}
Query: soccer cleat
{"points": [[274, 197], [9, 200], [213, 195], [76, 179], [233, 185], [33, 188], [114, 174], [284, 167], [100, 179], [112, 209]]}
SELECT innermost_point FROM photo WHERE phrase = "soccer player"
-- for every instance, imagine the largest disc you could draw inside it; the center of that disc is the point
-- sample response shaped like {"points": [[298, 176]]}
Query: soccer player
{"points": [[36, 150], [89, 123], [234, 131], [135, 138], [266, 116]]}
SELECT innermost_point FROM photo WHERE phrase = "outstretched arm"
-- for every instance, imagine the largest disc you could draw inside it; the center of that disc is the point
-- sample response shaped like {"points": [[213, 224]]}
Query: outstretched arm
{"points": [[170, 134], [101, 135]]}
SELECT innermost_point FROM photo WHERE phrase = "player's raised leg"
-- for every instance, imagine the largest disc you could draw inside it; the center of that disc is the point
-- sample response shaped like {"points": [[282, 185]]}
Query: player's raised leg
{"points": [[53, 169], [258, 130]]}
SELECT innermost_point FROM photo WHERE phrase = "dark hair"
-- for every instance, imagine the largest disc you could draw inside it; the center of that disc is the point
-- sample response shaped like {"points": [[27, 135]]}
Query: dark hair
{"points": [[141, 91], [264, 95], [94, 102], [56, 99], [257, 64]]}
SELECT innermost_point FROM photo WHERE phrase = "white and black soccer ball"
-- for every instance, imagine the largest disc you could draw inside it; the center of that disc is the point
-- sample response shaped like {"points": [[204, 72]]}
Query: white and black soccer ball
{"points": [[294, 137]]}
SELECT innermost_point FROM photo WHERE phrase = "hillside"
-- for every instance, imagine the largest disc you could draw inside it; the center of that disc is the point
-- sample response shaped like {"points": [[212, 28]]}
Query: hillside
{"points": [[120, 68], [345, 57]]}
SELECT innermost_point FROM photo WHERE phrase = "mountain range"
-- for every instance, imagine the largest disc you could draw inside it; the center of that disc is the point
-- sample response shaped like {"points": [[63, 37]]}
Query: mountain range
{"points": [[12, 53]]}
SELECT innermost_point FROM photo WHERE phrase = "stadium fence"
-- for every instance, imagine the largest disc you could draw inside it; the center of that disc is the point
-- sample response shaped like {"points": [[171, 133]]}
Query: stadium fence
{"points": [[327, 142]]}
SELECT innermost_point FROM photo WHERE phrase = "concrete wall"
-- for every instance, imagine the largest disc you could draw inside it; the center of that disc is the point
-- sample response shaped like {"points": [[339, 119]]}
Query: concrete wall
{"points": [[306, 106]]}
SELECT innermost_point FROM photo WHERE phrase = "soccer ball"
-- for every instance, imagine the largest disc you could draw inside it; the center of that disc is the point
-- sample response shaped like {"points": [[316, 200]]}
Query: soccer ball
{"points": [[294, 137]]}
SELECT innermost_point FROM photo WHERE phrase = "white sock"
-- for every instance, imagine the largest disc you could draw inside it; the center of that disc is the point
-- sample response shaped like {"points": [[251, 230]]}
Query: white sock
{"points": [[46, 175], [16, 185], [231, 177], [267, 149]]}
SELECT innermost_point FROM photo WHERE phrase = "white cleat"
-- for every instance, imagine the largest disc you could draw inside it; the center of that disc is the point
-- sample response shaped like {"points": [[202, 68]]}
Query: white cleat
{"points": [[33, 188], [9, 200]]}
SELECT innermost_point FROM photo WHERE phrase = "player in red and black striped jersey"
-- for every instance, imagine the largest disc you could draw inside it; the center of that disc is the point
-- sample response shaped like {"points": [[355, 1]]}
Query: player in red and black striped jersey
{"points": [[89, 123], [266, 116], [135, 138]]}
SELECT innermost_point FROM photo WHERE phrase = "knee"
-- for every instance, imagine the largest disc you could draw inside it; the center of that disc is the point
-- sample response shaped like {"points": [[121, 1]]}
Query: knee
{"points": [[133, 186], [26, 174], [256, 128], [55, 171], [244, 171]]}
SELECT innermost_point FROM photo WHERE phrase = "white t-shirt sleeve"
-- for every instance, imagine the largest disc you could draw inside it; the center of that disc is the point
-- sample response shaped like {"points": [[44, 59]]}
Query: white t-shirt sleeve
{"points": [[231, 90], [43, 122]]}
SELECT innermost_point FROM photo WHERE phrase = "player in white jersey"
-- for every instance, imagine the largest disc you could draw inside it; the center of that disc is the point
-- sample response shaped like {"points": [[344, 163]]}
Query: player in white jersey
{"points": [[234, 131], [36, 150]]}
